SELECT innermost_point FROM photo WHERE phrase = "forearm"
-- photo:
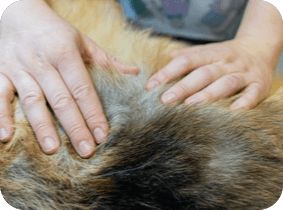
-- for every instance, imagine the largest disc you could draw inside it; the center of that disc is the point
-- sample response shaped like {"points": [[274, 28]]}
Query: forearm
{"points": [[24, 14], [263, 25]]}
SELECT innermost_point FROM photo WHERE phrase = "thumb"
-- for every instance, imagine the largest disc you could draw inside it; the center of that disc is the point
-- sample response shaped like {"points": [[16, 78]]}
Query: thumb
{"points": [[91, 52]]}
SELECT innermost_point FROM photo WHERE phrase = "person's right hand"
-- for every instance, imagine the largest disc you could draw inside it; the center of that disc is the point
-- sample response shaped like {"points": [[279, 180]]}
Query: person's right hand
{"points": [[42, 58]]}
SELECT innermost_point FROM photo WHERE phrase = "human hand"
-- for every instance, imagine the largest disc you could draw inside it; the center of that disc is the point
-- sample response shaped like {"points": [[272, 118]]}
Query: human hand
{"points": [[42, 58], [216, 71]]}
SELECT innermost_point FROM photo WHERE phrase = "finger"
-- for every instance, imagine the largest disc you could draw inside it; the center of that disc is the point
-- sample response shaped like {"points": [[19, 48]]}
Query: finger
{"points": [[223, 87], [178, 52], [192, 83], [37, 112], [7, 93], [252, 95], [67, 111], [122, 67], [73, 72], [93, 52], [178, 67]]}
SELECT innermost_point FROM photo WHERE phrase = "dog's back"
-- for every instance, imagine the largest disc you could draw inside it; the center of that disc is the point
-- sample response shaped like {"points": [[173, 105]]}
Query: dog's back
{"points": [[156, 156]]}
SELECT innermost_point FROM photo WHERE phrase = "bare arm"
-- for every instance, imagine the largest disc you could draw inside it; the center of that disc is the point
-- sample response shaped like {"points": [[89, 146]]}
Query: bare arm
{"points": [[42, 58], [263, 23], [221, 69]]}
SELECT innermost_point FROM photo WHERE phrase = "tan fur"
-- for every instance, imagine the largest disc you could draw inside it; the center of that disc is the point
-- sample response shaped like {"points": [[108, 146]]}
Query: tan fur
{"points": [[31, 180]]}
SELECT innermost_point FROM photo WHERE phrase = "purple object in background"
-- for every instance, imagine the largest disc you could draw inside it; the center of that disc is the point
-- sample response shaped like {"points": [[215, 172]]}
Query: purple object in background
{"points": [[208, 20], [176, 7]]}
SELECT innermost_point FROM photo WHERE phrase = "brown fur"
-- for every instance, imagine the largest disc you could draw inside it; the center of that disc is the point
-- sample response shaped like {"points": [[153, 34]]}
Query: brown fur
{"points": [[156, 156]]}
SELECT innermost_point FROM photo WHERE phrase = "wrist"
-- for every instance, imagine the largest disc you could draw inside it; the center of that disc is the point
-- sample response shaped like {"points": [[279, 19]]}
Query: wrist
{"points": [[261, 31], [264, 50]]}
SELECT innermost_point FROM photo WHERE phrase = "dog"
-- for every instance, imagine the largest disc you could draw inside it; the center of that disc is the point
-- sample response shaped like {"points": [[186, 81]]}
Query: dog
{"points": [[156, 156]]}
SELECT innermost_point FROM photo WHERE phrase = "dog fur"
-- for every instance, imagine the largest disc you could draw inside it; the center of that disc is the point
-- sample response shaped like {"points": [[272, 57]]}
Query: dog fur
{"points": [[156, 156]]}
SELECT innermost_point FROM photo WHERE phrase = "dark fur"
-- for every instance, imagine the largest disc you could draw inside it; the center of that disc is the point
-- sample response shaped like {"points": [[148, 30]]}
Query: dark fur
{"points": [[156, 156]]}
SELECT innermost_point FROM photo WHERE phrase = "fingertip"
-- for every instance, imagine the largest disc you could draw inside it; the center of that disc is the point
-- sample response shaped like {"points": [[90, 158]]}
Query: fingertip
{"points": [[150, 85], [6, 134], [192, 101], [100, 135], [240, 105], [123, 68], [50, 145], [85, 149], [246, 102], [168, 98], [133, 70], [235, 107]]}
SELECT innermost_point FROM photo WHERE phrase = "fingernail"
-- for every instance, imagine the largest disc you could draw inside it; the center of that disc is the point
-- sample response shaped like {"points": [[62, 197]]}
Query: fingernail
{"points": [[169, 98], [235, 108], [152, 84], [3, 134], [85, 148], [48, 144], [192, 101], [100, 135]]}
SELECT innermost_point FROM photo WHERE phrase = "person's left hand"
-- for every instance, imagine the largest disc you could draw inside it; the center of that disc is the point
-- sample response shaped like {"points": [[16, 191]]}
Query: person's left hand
{"points": [[217, 70]]}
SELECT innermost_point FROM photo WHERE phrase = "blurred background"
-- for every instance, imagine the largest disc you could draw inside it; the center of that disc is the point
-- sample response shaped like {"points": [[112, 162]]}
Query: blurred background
{"points": [[278, 70]]}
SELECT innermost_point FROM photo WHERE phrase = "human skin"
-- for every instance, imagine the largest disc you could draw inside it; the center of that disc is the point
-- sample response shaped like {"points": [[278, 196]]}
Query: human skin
{"points": [[34, 70], [222, 69], [42, 59]]}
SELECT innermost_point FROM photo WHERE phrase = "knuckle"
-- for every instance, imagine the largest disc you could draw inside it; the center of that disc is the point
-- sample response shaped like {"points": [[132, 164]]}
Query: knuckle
{"points": [[162, 76], [64, 55], [207, 74], [207, 95], [185, 59], [41, 126], [76, 130], [221, 68], [232, 80], [82, 91], [40, 58], [242, 65], [103, 60], [31, 98], [61, 101], [37, 64], [182, 88], [92, 118]]}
